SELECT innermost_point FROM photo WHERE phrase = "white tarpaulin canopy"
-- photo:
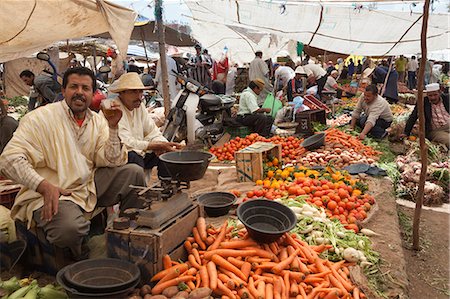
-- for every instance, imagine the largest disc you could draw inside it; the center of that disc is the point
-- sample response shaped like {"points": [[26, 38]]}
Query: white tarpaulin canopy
{"points": [[27, 26], [329, 27]]}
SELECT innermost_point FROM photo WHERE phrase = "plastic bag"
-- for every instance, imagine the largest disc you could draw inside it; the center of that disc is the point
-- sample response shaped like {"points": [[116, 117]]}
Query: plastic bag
{"points": [[273, 104], [7, 226]]}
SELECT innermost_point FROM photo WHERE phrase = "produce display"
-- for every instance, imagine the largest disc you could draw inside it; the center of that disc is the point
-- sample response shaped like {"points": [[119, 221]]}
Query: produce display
{"points": [[290, 146], [29, 289], [341, 120], [405, 173], [316, 228], [342, 197], [227, 262]]}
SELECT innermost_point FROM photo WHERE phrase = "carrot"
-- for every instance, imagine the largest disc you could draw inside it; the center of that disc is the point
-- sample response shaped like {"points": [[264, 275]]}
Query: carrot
{"points": [[321, 248], [191, 285], [191, 271], [188, 246], [266, 279], [209, 240], [269, 291], [302, 291], [287, 284], [193, 261], [277, 289], [201, 227], [235, 261], [314, 292], [204, 277], [266, 265], [264, 254], [237, 244], [283, 288], [220, 237], [167, 262], [346, 270], [334, 281], [285, 263], [293, 291], [223, 277], [347, 285], [230, 274], [221, 262], [212, 274], [178, 269], [173, 282], [196, 254], [197, 238], [228, 252], [198, 280], [310, 279], [258, 271], [252, 288], [273, 248], [283, 254], [246, 268], [224, 290], [302, 266], [356, 293], [257, 260], [337, 265], [244, 293], [297, 276], [261, 290], [190, 239], [320, 266]]}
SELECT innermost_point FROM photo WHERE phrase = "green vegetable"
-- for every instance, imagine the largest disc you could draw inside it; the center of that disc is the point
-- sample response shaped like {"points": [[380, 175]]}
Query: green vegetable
{"points": [[32, 293], [22, 291], [17, 101], [10, 285], [52, 292], [182, 286]]}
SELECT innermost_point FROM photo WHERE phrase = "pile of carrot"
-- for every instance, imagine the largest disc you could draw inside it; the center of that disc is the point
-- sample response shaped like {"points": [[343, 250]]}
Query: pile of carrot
{"points": [[238, 267], [334, 135]]}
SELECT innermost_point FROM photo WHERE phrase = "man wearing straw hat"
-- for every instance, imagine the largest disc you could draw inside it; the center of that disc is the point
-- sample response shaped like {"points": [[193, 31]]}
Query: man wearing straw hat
{"points": [[69, 168], [249, 113], [137, 130], [437, 117]]}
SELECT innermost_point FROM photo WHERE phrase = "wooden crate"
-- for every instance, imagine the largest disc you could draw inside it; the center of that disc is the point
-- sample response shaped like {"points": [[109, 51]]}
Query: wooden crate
{"points": [[146, 247], [305, 120], [249, 160]]}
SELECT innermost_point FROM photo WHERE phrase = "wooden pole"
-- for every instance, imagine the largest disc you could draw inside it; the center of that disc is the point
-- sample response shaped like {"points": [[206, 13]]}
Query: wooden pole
{"points": [[162, 55], [423, 147], [94, 52], [145, 49]]}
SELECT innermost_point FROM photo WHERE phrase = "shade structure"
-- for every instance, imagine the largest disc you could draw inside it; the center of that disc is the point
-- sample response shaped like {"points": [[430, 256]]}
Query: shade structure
{"points": [[32, 25]]}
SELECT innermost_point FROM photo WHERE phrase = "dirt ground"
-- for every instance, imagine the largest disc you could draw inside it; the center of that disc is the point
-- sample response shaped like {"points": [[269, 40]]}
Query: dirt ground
{"points": [[427, 269]]}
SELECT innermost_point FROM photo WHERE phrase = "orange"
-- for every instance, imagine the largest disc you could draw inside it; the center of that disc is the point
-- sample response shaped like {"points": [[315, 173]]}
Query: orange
{"points": [[259, 182]]}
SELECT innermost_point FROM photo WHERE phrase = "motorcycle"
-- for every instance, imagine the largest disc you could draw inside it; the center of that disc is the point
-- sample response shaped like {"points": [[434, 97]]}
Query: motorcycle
{"points": [[196, 114]]}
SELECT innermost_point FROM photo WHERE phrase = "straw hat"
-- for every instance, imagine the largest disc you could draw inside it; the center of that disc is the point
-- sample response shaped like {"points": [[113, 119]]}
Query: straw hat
{"points": [[128, 81], [259, 82]]}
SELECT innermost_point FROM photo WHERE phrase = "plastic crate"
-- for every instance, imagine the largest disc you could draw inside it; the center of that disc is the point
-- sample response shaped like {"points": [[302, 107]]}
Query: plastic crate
{"points": [[238, 131]]}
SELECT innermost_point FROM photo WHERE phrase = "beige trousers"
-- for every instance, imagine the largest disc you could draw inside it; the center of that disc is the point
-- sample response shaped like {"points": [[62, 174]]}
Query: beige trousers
{"points": [[441, 135], [69, 227]]}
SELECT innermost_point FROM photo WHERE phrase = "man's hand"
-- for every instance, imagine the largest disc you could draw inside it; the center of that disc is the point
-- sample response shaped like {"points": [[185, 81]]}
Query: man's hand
{"points": [[403, 136], [163, 147], [362, 136], [113, 115], [51, 195], [267, 110]]}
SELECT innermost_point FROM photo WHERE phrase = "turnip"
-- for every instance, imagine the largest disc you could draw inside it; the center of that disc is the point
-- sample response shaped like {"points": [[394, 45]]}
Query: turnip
{"points": [[351, 255], [368, 232]]}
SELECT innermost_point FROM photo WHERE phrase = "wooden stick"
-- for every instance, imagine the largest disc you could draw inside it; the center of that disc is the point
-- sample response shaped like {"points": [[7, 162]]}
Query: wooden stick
{"points": [[423, 147]]}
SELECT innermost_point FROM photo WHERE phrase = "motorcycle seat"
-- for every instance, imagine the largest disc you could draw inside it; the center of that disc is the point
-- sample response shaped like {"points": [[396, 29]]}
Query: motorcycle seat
{"points": [[211, 100]]}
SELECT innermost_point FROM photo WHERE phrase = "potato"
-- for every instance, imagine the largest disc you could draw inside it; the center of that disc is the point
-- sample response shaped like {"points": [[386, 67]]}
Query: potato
{"points": [[157, 297], [170, 291], [148, 296], [146, 289], [182, 294], [200, 293], [135, 297]]}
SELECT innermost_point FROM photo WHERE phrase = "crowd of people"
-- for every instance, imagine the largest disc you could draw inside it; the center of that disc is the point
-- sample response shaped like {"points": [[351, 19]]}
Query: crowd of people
{"points": [[89, 160]]}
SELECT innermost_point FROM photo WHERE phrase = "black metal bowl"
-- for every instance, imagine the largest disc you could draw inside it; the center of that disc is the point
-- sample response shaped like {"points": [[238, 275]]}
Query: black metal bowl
{"points": [[217, 203], [186, 166], [75, 293], [266, 220], [101, 275], [313, 142]]}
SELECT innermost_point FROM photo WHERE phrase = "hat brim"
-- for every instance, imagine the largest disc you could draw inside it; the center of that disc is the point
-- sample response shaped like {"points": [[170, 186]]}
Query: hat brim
{"points": [[117, 90]]}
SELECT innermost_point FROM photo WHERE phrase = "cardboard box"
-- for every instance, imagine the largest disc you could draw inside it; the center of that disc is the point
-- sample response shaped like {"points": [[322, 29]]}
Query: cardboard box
{"points": [[146, 247], [249, 160]]}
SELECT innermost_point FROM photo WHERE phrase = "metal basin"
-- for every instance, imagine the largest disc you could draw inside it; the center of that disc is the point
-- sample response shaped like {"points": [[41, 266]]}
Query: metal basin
{"points": [[313, 142], [186, 166], [217, 203], [101, 275]]}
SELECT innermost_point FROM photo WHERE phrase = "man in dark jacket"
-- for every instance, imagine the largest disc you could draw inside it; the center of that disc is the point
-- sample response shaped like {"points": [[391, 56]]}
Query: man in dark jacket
{"points": [[437, 117]]}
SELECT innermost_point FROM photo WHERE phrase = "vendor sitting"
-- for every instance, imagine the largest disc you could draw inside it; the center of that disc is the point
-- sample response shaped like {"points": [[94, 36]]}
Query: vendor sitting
{"points": [[71, 168], [137, 130], [437, 117], [249, 114], [295, 86], [332, 85], [377, 114]]}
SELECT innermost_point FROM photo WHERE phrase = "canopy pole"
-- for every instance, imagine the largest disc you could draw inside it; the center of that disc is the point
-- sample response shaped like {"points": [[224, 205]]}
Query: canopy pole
{"points": [[94, 52], [423, 147], [145, 49], [162, 55]]}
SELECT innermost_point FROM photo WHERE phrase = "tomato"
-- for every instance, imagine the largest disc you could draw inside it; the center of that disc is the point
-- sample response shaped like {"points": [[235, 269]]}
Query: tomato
{"points": [[332, 205], [259, 193], [250, 194], [318, 203], [349, 206], [353, 227]]}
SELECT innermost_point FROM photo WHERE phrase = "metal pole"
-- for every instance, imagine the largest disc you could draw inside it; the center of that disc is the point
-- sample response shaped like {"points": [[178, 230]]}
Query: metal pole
{"points": [[423, 147], [145, 49], [94, 50], [162, 54]]}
